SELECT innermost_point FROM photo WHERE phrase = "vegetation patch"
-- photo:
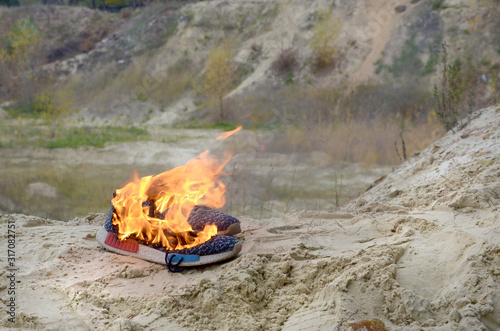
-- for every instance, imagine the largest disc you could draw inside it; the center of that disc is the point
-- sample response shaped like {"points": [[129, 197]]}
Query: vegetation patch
{"points": [[325, 32], [197, 124], [360, 127], [20, 133], [155, 33], [408, 61], [438, 4], [18, 50], [178, 80], [97, 137], [286, 63], [219, 76]]}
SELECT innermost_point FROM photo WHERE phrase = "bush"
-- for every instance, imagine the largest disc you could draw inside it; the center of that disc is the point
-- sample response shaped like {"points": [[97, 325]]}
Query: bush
{"points": [[457, 94], [325, 31], [386, 100], [126, 14], [437, 5], [18, 51], [52, 106], [286, 63], [408, 61]]}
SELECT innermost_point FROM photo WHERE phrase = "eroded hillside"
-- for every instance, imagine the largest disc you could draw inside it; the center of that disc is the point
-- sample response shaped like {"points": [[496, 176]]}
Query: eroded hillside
{"points": [[149, 64]]}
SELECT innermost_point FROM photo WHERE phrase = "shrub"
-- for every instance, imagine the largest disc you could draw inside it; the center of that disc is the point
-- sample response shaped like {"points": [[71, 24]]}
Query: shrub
{"points": [[438, 4], [21, 38], [325, 31], [126, 14], [408, 61], [457, 94], [256, 48], [17, 61], [87, 45], [51, 105], [286, 63]]}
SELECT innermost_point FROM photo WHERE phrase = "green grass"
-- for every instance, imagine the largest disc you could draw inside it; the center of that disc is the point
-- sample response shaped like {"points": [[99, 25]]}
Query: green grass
{"points": [[141, 97], [27, 111], [22, 134], [408, 62], [430, 66], [97, 137], [196, 124], [437, 5]]}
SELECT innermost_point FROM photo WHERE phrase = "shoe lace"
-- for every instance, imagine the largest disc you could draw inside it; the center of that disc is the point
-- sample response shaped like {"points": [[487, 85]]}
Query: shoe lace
{"points": [[172, 266]]}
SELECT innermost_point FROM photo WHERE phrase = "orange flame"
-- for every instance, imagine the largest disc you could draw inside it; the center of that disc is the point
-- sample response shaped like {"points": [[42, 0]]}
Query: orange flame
{"points": [[229, 133], [156, 208], [174, 193]]}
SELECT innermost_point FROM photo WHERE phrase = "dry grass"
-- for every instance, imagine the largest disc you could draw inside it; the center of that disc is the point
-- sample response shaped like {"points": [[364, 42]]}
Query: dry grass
{"points": [[368, 143], [361, 126]]}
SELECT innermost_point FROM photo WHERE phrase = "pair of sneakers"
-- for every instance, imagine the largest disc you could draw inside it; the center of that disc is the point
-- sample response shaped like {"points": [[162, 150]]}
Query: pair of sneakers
{"points": [[219, 248]]}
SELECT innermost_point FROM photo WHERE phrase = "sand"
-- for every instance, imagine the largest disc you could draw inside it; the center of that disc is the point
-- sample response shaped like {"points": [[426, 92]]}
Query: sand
{"points": [[420, 250]]}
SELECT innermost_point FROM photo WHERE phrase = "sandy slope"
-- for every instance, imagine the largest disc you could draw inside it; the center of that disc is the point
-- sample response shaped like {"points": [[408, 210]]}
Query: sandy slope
{"points": [[418, 251]]}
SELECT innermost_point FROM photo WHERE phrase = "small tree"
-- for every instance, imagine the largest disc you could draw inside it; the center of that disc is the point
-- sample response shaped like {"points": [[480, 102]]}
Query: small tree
{"points": [[17, 57], [325, 32], [52, 106], [219, 75]]}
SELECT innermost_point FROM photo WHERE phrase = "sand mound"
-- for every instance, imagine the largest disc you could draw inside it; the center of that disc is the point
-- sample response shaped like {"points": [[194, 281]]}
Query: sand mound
{"points": [[460, 171], [419, 250]]}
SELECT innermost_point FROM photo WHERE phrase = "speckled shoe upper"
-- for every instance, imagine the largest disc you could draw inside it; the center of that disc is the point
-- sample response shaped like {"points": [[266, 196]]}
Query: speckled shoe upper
{"points": [[216, 245], [108, 224], [202, 215]]}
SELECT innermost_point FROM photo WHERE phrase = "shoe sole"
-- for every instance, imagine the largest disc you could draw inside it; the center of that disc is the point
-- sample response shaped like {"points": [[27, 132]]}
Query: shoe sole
{"points": [[134, 249]]}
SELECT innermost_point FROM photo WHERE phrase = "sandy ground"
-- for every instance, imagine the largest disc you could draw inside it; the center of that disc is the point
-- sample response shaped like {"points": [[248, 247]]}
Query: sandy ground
{"points": [[419, 251]]}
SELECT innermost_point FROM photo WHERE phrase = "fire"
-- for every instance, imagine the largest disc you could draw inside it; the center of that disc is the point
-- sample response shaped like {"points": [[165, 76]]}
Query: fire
{"points": [[229, 133], [156, 208]]}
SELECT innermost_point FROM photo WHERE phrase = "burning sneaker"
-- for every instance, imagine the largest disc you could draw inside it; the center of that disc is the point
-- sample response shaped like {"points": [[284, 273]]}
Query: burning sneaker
{"points": [[216, 249], [202, 215], [163, 218]]}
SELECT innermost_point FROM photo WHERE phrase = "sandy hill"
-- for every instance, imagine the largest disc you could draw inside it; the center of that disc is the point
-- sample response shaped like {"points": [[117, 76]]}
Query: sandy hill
{"points": [[419, 251], [148, 64]]}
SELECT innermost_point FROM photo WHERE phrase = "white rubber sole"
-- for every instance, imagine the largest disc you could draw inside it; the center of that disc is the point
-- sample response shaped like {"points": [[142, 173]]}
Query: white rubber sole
{"points": [[154, 255]]}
